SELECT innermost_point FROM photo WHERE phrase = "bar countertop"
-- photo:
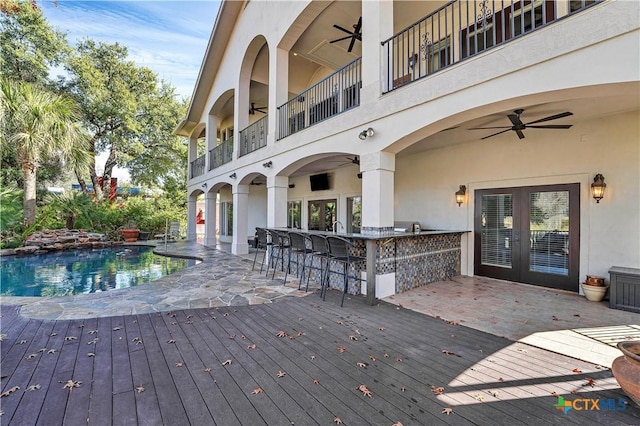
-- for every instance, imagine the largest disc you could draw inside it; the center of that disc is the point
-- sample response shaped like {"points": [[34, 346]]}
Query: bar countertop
{"points": [[394, 234]]}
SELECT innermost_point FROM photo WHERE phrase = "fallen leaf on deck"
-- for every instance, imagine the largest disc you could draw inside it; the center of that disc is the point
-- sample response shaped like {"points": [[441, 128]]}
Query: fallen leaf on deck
{"points": [[291, 337], [9, 391], [352, 337], [452, 323], [590, 382], [447, 411], [555, 394], [116, 328], [386, 355], [30, 356], [341, 349], [81, 326], [479, 397], [339, 322], [437, 390], [189, 322], [3, 337], [576, 370], [500, 379], [52, 351], [96, 340], [93, 331], [361, 364], [402, 388], [72, 384], [171, 341], [337, 420], [312, 357], [281, 334], [171, 314], [365, 390], [257, 391], [22, 342], [381, 328], [42, 350], [299, 333], [174, 323], [189, 316], [397, 424], [398, 359], [53, 334], [243, 337], [69, 338], [34, 387], [494, 393], [576, 315], [227, 362], [524, 351], [281, 373], [180, 364], [253, 346], [140, 389], [555, 318], [372, 358], [233, 336], [90, 354], [575, 392], [448, 352], [207, 370], [316, 381]]}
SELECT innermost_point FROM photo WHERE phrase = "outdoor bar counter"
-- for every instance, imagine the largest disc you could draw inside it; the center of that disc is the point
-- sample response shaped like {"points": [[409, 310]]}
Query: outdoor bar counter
{"points": [[400, 261]]}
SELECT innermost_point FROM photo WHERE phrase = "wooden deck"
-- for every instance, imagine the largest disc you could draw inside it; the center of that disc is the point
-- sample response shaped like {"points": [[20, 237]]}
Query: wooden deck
{"points": [[173, 369]]}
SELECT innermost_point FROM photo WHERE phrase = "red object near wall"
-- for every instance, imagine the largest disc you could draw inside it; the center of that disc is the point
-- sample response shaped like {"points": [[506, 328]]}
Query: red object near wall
{"points": [[113, 187]]}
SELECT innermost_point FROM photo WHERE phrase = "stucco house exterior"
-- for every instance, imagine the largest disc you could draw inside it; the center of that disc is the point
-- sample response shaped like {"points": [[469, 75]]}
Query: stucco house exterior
{"points": [[368, 116]]}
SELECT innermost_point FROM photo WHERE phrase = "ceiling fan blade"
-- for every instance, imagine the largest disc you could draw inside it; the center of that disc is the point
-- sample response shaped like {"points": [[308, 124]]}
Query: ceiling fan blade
{"points": [[484, 128], [353, 41], [340, 39], [495, 134], [358, 26], [551, 126], [515, 119], [552, 117], [342, 29], [520, 134]]}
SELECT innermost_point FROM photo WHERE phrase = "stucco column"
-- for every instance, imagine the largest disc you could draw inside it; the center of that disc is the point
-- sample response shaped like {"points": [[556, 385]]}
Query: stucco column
{"points": [[192, 154], [239, 243], [378, 170], [377, 25], [191, 218], [211, 218], [277, 188], [241, 108], [211, 138], [278, 88]]}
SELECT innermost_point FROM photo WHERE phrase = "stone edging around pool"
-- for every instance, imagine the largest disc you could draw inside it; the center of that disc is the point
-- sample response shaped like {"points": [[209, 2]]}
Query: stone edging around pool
{"points": [[221, 279]]}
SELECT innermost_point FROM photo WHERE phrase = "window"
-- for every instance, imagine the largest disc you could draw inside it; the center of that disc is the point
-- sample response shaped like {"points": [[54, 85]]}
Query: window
{"points": [[294, 214], [354, 214], [322, 215], [437, 55], [226, 222]]}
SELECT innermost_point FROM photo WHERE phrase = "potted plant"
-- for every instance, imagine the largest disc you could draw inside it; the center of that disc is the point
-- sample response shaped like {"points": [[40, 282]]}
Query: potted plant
{"points": [[130, 232], [626, 369], [594, 288]]}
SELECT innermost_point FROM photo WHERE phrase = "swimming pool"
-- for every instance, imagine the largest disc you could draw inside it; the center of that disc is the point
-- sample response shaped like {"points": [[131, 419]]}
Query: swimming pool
{"points": [[85, 271]]}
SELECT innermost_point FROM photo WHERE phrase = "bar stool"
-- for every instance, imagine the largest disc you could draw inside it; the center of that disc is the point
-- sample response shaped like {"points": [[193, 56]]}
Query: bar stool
{"points": [[339, 252], [264, 243], [280, 240], [319, 251], [298, 246]]}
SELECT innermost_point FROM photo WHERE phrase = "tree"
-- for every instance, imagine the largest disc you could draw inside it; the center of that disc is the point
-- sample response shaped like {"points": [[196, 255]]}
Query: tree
{"points": [[29, 45], [129, 114], [39, 125]]}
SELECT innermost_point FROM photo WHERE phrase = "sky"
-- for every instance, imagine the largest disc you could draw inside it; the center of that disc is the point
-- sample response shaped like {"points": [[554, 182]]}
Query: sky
{"points": [[169, 37]]}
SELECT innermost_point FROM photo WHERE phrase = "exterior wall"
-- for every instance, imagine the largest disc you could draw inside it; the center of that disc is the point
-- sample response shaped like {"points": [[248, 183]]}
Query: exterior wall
{"points": [[610, 231], [257, 208]]}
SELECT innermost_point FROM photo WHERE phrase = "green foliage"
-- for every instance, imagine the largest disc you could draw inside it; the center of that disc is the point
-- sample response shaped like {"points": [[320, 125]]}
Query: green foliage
{"points": [[29, 45], [10, 207], [70, 206]]}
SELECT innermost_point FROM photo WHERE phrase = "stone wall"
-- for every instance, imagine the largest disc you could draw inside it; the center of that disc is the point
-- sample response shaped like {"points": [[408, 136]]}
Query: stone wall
{"points": [[60, 239]]}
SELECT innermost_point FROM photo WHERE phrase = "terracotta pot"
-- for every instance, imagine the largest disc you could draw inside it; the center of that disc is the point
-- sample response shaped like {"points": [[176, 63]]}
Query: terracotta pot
{"points": [[595, 280], [594, 293], [626, 369], [130, 235]]}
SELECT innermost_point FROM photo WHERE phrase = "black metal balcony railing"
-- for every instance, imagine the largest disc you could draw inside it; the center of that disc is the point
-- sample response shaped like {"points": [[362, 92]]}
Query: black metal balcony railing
{"points": [[253, 137], [463, 28], [331, 96], [221, 154], [197, 166]]}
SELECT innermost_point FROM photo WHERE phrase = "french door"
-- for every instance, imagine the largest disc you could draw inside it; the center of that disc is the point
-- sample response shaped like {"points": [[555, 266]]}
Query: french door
{"points": [[322, 214], [529, 234]]}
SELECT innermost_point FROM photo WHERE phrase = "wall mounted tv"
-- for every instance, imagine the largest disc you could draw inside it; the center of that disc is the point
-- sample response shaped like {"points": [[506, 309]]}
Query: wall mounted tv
{"points": [[319, 182]]}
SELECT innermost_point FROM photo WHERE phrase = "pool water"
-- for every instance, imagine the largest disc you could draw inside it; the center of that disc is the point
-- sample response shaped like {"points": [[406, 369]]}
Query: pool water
{"points": [[84, 271]]}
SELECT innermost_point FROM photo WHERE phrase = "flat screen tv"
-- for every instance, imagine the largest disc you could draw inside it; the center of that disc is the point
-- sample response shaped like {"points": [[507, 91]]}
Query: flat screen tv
{"points": [[319, 182]]}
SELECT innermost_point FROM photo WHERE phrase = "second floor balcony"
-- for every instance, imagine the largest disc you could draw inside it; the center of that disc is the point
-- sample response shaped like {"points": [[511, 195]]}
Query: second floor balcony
{"points": [[221, 154]]}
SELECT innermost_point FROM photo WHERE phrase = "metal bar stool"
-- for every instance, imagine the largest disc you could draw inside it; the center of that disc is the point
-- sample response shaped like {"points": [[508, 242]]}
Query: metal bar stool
{"points": [[319, 251], [298, 246], [264, 243], [339, 252], [280, 240]]}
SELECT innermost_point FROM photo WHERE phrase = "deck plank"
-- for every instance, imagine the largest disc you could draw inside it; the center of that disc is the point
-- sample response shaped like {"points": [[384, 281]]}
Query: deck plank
{"points": [[101, 404]]}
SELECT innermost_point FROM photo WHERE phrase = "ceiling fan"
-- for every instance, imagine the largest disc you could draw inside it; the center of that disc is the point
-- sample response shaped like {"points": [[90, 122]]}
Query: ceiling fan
{"points": [[254, 108], [354, 35], [519, 126], [346, 161]]}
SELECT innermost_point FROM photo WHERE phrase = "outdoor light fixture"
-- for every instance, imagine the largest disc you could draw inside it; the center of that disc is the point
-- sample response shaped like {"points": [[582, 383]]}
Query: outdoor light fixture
{"points": [[367, 133], [597, 187], [232, 175], [412, 61], [268, 164], [460, 194], [204, 185]]}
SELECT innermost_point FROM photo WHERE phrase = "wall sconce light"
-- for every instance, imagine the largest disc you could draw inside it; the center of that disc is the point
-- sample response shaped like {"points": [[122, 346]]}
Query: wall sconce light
{"points": [[232, 175], [204, 185], [292, 185], [268, 164], [597, 187], [367, 133], [461, 195], [413, 59]]}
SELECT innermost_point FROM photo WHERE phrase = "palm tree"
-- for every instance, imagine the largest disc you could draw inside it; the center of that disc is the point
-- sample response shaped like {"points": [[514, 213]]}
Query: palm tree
{"points": [[41, 125]]}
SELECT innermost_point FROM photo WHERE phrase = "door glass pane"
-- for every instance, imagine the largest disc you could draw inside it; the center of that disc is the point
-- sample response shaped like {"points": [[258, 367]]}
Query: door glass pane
{"points": [[314, 215], [354, 214], [294, 214], [329, 216], [497, 225], [549, 232]]}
